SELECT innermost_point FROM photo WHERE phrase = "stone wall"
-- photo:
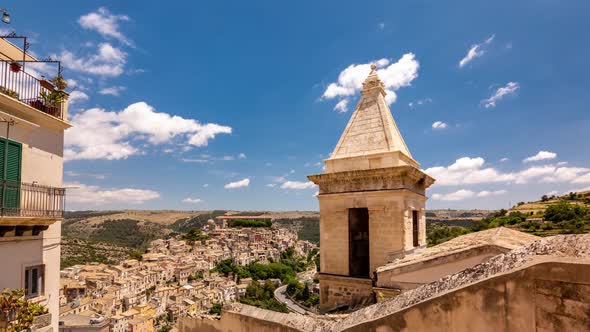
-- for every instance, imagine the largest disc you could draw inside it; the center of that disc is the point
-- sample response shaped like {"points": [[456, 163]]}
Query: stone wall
{"points": [[542, 286], [545, 297], [548, 296], [390, 226], [336, 291], [410, 276], [244, 318]]}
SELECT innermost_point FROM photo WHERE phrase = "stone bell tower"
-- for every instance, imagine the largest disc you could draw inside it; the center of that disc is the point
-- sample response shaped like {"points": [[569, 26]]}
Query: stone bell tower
{"points": [[372, 201]]}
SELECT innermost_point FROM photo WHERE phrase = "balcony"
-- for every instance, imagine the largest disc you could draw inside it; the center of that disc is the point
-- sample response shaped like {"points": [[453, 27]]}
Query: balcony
{"points": [[21, 203], [40, 94]]}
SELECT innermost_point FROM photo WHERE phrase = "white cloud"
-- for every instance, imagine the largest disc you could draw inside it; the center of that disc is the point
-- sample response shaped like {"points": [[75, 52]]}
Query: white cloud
{"points": [[207, 132], [381, 26], [316, 194], [439, 125], [541, 155], [419, 102], [206, 158], [565, 174], [341, 106], [576, 190], [93, 195], [458, 195], [105, 23], [510, 88], [394, 76], [113, 90], [463, 194], [297, 185], [503, 160], [98, 134], [582, 179], [475, 51], [108, 61], [76, 96], [486, 193], [271, 185], [205, 185], [194, 160], [191, 200], [466, 171], [552, 193], [238, 184]]}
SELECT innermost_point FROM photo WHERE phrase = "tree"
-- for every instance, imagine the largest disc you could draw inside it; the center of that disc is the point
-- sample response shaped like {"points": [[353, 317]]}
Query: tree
{"points": [[194, 234], [136, 255], [544, 198], [215, 309], [561, 211], [165, 328]]}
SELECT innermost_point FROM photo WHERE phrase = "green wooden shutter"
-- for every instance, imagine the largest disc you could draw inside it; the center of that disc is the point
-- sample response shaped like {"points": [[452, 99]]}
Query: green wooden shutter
{"points": [[13, 174]]}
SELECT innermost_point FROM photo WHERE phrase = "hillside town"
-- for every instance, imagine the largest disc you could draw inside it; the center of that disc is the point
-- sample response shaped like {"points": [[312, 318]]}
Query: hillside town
{"points": [[171, 280], [174, 173]]}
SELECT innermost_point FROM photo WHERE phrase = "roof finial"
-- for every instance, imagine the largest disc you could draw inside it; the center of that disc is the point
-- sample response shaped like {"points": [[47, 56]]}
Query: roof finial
{"points": [[373, 66]]}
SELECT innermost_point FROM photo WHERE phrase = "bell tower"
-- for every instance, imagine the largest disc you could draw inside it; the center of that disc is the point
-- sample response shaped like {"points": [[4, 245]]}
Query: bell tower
{"points": [[372, 201]]}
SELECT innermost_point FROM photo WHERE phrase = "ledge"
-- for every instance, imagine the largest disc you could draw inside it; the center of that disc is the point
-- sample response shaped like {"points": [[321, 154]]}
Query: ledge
{"points": [[27, 221], [389, 178], [31, 114]]}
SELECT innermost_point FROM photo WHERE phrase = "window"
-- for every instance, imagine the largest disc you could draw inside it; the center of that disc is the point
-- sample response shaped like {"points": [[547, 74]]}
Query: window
{"points": [[34, 276], [358, 243], [12, 152], [415, 229]]}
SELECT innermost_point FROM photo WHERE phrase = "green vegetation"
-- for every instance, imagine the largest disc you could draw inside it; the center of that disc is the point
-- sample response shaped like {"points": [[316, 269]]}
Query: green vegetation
{"points": [[75, 216], [563, 217], [437, 233], [248, 223], [308, 228], [89, 256], [301, 293], [13, 303], [262, 296], [194, 234], [196, 276], [186, 224], [165, 328], [76, 251], [285, 269], [136, 254], [127, 233], [215, 309]]}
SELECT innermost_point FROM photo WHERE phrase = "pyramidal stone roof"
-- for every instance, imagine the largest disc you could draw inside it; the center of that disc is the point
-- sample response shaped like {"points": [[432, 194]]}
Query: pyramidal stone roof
{"points": [[371, 128]]}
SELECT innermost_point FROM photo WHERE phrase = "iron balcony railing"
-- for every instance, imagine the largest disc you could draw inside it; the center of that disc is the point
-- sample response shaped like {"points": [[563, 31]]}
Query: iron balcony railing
{"points": [[18, 84], [19, 199]]}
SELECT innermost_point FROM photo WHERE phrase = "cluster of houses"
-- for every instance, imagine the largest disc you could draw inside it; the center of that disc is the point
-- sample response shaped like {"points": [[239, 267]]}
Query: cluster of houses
{"points": [[172, 279]]}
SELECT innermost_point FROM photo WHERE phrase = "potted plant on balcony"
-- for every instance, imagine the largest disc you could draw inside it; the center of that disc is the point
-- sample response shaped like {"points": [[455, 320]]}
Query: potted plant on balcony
{"points": [[47, 84], [19, 314], [15, 67], [59, 82], [8, 92], [9, 302], [52, 101]]}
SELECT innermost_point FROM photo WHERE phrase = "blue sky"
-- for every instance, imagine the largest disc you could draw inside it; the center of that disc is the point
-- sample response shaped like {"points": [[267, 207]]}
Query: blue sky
{"points": [[186, 105]]}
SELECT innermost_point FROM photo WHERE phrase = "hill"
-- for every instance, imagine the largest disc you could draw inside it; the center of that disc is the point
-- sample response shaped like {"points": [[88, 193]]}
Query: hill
{"points": [[532, 208], [110, 236], [567, 214]]}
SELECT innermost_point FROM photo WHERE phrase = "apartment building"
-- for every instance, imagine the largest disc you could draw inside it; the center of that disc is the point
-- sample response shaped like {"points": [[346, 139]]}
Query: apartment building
{"points": [[33, 117]]}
